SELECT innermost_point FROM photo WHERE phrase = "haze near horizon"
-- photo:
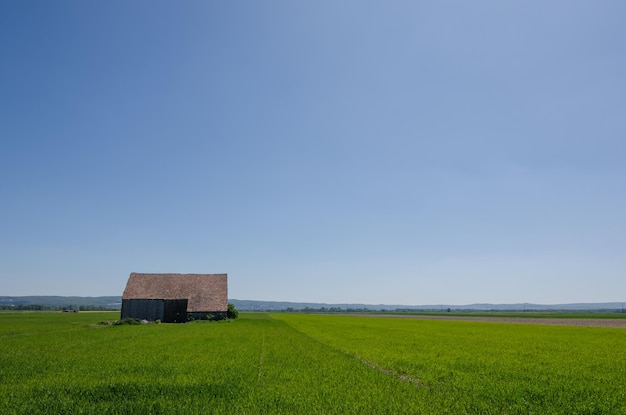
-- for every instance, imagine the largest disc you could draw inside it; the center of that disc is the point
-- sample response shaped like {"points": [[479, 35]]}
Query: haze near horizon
{"points": [[336, 152]]}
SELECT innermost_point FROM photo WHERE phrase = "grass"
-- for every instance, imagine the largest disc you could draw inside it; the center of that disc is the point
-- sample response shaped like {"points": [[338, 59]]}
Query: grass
{"points": [[472, 367], [313, 364]]}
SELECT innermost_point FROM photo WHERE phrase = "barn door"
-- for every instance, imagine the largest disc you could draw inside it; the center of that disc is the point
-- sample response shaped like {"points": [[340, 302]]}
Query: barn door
{"points": [[175, 311]]}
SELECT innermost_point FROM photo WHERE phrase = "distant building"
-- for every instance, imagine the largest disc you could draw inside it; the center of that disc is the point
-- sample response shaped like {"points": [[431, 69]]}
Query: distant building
{"points": [[175, 298]]}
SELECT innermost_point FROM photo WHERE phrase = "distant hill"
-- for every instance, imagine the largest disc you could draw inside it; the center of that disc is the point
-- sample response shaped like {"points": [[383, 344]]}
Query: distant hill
{"points": [[252, 305], [115, 303], [112, 302]]}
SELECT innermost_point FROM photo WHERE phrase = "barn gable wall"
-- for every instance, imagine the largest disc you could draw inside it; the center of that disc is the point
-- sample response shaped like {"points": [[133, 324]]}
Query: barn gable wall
{"points": [[143, 309], [167, 311]]}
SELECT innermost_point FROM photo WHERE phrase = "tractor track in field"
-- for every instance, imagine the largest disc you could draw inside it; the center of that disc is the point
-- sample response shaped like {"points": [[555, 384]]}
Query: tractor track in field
{"points": [[581, 322]]}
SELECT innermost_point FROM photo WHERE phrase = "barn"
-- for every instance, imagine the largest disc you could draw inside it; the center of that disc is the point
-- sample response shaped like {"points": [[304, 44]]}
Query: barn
{"points": [[175, 298]]}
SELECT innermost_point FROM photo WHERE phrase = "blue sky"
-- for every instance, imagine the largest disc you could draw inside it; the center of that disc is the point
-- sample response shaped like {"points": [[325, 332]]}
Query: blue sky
{"points": [[367, 152]]}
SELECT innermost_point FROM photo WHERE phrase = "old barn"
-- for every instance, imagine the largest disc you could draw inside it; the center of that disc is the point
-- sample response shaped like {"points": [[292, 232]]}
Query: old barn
{"points": [[175, 298]]}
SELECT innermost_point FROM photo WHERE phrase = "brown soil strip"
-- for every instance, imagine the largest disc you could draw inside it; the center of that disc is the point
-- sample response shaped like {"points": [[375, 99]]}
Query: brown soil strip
{"points": [[586, 322]]}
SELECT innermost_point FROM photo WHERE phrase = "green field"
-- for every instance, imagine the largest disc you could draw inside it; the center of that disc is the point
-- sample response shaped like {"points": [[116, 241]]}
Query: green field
{"points": [[307, 364]]}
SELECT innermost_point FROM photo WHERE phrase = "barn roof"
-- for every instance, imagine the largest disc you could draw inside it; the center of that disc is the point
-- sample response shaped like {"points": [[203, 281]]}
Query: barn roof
{"points": [[204, 292]]}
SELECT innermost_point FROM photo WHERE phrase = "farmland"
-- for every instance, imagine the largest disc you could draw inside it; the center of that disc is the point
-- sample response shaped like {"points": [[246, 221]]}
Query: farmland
{"points": [[294, 363]]}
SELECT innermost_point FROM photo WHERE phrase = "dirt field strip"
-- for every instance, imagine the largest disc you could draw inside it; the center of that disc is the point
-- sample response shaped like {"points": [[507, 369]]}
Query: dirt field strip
{"points": [[584, 322], [402, 378]]}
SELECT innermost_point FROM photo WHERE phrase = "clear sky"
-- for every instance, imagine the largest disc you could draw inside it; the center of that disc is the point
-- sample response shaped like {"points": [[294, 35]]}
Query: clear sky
{"points": [[409, 152]]}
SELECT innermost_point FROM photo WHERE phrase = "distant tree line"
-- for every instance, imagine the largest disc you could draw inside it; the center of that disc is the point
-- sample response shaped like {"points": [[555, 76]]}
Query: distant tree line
{"points": [[41, 307]]}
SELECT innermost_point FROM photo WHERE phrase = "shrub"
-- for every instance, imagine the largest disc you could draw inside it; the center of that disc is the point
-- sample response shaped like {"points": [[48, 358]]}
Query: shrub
{"points": [[127, 321], [232, 312]]}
